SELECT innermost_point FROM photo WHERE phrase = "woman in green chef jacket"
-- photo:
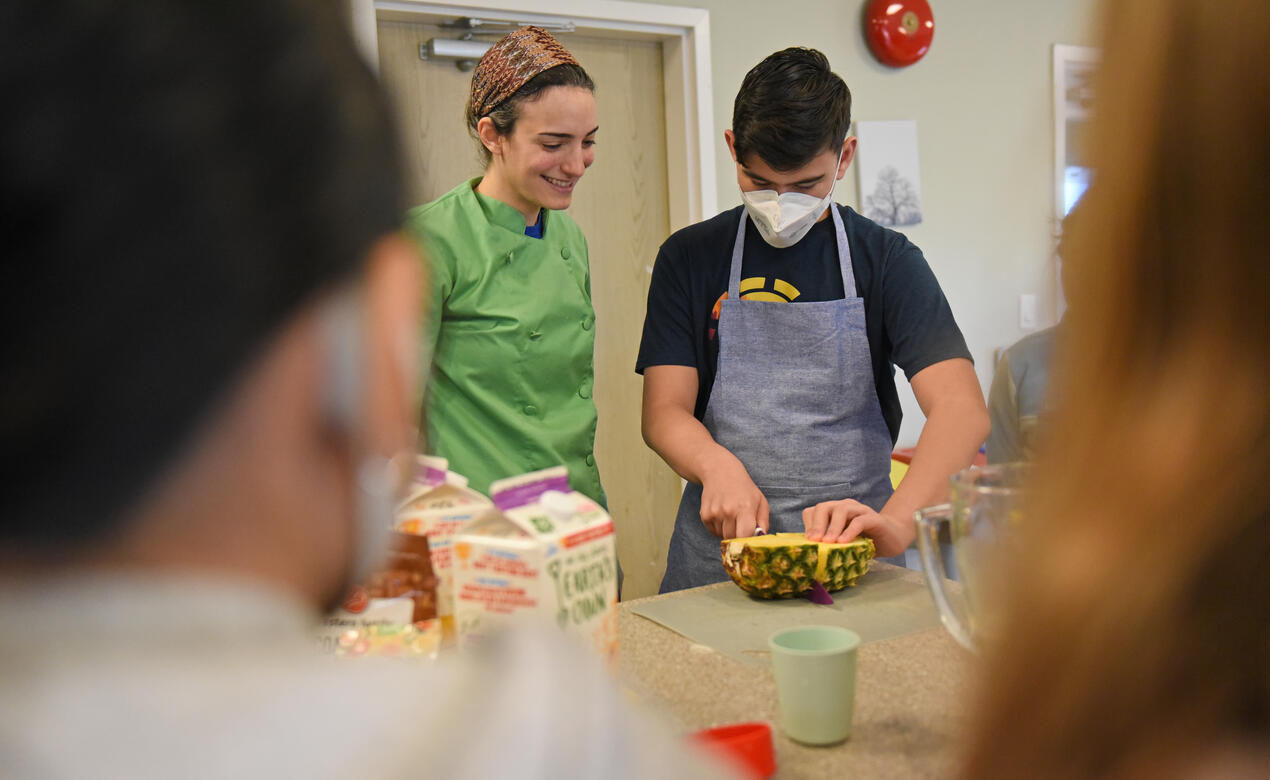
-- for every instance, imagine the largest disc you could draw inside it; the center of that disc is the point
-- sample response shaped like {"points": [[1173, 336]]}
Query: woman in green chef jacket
{"points": [[511, 320]]}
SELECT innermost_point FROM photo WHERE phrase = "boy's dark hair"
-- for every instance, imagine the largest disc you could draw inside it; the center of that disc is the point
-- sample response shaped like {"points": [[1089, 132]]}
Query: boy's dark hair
{"points": [[790, 108], [176, 181], [506, 113]]}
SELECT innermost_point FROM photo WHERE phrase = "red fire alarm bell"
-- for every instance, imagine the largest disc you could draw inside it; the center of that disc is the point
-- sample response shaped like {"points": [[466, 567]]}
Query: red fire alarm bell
{"points": [[899, 31]]}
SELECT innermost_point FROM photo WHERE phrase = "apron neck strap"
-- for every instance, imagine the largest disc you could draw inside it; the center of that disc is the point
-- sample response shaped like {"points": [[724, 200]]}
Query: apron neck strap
{"points": [[844, 256], [738, 251]]}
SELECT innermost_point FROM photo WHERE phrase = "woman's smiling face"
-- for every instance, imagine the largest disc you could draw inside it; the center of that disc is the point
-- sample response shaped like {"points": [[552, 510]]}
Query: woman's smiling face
{"points": [[548, 149]]}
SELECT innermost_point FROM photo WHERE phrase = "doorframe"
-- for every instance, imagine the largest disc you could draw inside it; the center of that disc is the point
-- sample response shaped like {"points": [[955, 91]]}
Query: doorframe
{"points": [[1064, 55], [685, 37]]}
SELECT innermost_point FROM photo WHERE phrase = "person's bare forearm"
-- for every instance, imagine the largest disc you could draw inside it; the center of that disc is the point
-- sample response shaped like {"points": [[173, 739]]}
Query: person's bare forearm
{"points": [[730, 503], [952, 435], [682, 441]]}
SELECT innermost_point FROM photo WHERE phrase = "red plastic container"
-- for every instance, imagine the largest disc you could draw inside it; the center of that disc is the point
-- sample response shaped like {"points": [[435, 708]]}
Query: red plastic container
{"points": [[745, 746]]}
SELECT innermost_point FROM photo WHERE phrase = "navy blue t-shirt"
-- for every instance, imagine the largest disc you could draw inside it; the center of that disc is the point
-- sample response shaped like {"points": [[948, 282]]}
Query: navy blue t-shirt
{"points": [[907, 318]]}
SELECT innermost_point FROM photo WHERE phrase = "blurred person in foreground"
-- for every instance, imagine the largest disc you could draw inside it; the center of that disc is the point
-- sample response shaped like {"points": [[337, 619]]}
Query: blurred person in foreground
{"points": [[1137, 640], [207, 366]]}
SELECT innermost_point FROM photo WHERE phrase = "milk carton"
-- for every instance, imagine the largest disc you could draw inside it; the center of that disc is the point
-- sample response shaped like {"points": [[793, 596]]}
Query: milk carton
{"points": [[541, 552], [439, 506]]}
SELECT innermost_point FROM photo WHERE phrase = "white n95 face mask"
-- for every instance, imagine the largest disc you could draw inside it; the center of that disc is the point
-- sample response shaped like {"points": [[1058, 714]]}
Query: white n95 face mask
{"points": [[782, 220]]}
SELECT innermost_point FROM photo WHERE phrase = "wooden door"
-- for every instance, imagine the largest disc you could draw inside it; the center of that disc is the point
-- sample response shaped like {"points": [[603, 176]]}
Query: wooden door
{"points": [[622, 207]]}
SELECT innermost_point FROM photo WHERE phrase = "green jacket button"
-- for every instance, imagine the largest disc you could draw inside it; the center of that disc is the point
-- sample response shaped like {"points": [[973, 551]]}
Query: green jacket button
{"points": [[564, 252], [531, 410], [534, 335], [511, 256], [590, 459], [584, 392], [587, 323]]}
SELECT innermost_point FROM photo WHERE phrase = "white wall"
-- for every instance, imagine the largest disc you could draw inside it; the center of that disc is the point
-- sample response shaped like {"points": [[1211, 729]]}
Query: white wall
{"points": [[983, 104]]}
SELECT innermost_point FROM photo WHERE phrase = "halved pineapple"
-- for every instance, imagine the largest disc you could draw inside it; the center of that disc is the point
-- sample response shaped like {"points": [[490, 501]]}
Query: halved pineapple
{"points": [[781, 566]]}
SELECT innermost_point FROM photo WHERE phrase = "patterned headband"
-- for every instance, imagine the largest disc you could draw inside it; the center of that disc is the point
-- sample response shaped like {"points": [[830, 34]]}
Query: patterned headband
{"points": [[514, 60]]}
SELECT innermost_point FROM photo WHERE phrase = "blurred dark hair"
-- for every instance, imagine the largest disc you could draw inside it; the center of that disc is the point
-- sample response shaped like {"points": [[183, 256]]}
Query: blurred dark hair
{"points": [[790, 108], [506, 113], [177, 180]]}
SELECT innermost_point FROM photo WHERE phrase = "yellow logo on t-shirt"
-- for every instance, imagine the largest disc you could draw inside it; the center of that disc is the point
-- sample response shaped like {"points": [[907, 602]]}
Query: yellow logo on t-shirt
{"points": [[755, 288]]}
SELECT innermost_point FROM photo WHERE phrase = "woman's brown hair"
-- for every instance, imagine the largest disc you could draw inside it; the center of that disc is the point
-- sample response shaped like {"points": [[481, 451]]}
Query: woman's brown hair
{"points": [[1137, 639]]}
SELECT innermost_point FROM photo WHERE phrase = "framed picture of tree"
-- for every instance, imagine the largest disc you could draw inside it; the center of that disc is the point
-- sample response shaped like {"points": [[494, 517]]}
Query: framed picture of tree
{"points": [[889, 177]]}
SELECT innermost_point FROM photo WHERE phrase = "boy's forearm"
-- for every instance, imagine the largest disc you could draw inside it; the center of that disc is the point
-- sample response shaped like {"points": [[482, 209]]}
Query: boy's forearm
{"points": [[949, 441], [682, 441]]}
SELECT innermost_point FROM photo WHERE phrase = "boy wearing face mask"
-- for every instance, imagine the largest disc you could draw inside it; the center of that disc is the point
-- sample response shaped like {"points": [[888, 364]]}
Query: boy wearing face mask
{"points": [[771, 338]]}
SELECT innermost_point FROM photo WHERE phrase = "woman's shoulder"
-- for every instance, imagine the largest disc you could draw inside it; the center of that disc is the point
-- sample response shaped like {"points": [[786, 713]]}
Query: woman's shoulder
{"points": [[444, 213]]}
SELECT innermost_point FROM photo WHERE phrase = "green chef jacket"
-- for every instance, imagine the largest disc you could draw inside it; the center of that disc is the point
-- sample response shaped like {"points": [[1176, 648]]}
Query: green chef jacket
{"points": [[513, 335]]}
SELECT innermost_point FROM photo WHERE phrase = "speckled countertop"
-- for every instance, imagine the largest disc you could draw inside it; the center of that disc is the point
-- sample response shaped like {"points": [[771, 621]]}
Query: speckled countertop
{"points": [[909, 698]]}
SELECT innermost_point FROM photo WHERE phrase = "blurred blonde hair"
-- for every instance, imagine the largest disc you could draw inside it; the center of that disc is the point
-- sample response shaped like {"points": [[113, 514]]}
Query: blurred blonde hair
{"points": [[1138, 631]]}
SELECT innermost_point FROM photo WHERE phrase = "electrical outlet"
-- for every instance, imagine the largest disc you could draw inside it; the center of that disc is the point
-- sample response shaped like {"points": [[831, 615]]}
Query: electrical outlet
{"points": [[1027, 311]]}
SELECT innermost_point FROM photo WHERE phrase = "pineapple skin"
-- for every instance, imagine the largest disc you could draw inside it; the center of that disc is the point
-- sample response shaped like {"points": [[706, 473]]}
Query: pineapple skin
{"points": [[787, 570], [844, 565]]}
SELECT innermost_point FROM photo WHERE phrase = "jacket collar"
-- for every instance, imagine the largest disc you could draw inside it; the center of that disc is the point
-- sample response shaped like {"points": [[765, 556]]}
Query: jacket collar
{"points": [[502, 214]]}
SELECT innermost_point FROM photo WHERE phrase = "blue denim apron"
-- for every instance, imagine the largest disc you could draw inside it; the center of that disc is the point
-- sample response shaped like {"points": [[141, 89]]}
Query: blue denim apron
{"points": [[794, 400]]}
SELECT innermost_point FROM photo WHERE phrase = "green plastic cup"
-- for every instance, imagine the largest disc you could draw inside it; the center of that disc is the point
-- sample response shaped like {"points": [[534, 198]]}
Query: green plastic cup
{"points": [[814, 667]]}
